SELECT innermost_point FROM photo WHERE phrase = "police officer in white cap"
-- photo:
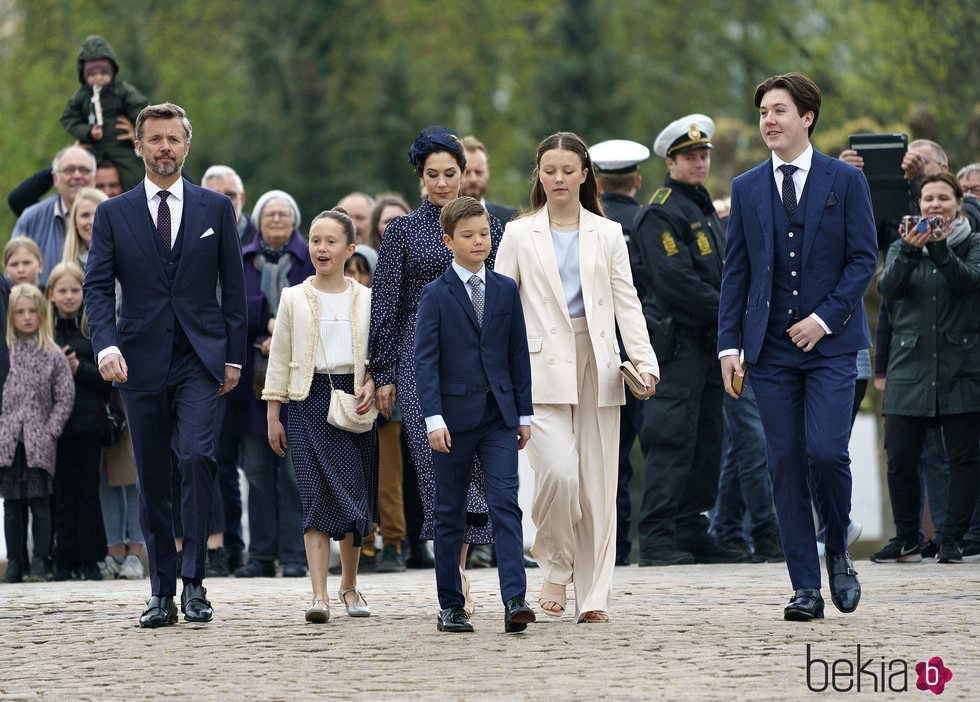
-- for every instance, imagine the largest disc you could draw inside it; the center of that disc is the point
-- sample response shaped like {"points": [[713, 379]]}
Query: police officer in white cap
{"points": [[617, 164], [677, 250], [617, 170]]}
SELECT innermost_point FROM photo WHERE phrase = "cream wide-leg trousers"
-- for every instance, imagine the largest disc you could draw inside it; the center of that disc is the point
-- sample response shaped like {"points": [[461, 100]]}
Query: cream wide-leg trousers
{"points": [[574, 452]]}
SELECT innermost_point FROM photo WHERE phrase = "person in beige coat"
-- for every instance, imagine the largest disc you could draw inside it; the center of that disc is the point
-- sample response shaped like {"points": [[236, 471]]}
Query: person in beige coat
{"points": [[572, 269]]}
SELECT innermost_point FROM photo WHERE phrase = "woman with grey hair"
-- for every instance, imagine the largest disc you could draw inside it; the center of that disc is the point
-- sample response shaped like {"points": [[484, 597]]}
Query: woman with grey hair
{"points": [[276, 259]]}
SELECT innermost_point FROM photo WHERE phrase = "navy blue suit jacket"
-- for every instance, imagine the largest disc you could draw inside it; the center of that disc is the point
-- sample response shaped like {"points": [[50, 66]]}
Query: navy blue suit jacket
{"points": [[124, 247], [455, 360], [840, 254]]}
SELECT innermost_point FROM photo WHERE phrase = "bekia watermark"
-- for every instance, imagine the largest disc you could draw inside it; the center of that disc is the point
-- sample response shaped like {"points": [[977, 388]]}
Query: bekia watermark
{"points": [[868, 671]]}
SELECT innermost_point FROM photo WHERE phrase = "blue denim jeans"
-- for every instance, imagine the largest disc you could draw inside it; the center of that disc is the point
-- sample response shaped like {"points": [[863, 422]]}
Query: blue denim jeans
{"points": [[120, 512], [275, 512], [744, 485]]}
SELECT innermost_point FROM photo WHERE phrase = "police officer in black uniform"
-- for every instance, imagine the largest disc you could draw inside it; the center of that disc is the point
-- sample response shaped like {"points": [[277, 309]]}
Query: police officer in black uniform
{"points": [[677, 249], [617, 169]]}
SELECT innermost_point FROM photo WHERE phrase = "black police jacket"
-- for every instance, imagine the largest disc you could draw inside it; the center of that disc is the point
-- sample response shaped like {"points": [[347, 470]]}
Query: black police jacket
{"points": [[677, 250]]}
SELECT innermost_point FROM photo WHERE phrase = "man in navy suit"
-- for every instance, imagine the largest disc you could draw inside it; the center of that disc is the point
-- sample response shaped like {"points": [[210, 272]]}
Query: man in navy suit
{"points": [[473, 372], [801, 252], [177, 344]]}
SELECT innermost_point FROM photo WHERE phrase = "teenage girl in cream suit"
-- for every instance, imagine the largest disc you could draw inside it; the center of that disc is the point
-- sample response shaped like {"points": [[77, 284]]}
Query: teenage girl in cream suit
{"points": [[573, 273]]}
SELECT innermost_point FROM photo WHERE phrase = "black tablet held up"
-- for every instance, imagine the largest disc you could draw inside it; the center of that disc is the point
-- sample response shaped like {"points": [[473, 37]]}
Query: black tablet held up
{"points": [[883, 154]]}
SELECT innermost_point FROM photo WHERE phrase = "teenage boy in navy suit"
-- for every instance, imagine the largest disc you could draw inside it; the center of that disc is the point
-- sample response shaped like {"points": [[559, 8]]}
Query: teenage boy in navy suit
{"points": [[801, 252], [473, 373]]}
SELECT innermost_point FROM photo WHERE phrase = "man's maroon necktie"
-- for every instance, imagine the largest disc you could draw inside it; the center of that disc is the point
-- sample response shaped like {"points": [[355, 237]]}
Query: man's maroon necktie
{"points": [[163, 219]]}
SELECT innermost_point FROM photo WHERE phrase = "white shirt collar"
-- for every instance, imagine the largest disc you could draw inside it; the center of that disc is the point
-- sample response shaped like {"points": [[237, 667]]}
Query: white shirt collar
{"points": [[802, 162], [465, 275], [176, 190]]}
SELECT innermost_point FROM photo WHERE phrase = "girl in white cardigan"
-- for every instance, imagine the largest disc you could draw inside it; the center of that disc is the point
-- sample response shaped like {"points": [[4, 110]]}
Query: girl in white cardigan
{"points": [[320, 344]]}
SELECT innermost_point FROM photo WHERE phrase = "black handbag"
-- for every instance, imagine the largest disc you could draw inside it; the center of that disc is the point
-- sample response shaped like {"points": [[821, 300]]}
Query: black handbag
{"points": [[113, 423]]}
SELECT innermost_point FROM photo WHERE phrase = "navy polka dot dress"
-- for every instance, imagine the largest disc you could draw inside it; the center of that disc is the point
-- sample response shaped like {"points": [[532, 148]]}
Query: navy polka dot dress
{"points": [[412, 256], [337, 471]]}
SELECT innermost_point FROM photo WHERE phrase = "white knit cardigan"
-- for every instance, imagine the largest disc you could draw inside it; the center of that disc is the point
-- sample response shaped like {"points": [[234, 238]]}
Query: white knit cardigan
{"points": [[297, 335]]}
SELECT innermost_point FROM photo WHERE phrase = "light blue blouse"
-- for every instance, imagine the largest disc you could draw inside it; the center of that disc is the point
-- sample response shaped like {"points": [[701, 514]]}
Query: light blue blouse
{"points": [[566, 253]]}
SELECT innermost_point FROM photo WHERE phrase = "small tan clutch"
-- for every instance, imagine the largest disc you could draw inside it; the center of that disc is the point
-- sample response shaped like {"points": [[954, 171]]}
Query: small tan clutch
{"points": [[738, 381], [632, 377]]}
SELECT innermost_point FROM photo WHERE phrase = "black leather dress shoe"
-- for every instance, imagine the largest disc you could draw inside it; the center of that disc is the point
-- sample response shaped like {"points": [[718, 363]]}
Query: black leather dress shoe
{"points": [[454, 620], [194, 604], [845, 588], [805, 605], [160, 611], [517, 615]]}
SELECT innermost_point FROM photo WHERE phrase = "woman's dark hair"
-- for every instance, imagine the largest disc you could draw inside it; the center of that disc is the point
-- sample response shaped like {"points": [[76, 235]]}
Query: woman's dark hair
{"points": [[340, 216], [805, 93], [432, 140], [383, 201], [588, 193], [946, 178]]}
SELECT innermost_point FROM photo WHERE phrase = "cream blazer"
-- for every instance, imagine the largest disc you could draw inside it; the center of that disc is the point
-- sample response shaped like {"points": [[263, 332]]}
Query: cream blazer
{"points": [[527, 255], [292, 354]]}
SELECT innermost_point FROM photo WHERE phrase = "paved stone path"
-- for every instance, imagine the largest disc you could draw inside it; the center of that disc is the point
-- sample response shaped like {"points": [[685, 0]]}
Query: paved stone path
{"points": [[680, 633]]}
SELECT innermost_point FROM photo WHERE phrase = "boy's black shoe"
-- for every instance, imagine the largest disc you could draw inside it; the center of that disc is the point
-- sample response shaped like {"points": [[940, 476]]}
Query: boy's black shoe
{"points": [[517, 615], [454, 620]]}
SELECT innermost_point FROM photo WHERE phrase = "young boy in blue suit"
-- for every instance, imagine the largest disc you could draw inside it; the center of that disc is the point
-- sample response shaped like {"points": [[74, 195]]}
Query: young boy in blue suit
{"points": [[473, 375]]}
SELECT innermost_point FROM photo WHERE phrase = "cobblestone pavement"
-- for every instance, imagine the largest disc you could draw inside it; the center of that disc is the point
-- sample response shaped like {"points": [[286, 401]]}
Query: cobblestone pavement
{"points": [[680, 633]]}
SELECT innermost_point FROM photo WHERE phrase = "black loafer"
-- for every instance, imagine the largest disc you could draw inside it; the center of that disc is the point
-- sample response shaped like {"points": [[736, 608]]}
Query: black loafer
{"points": [[194, 604], [454, 620], [160, 611], [517, 615], [845, 588], [805, 605]]}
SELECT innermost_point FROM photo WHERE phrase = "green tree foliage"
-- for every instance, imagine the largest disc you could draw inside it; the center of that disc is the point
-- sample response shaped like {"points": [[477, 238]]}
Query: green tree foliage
{"points": [[323, 97]]}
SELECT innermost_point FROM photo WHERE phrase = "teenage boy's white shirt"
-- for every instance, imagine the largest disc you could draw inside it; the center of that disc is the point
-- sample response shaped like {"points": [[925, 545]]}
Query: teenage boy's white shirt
{"points": [[436, 421], [802, 163]]}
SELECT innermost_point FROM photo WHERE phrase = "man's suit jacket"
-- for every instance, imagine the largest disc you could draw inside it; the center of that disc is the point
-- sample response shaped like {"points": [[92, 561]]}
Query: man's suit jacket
{"points": [[527, 254], [503, 213], [839, 257], [451, 350], [124, 246]]}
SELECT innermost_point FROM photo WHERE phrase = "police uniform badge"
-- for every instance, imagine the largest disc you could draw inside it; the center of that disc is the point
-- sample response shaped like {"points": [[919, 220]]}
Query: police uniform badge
{"points": [[704, 246], [670, 246]]}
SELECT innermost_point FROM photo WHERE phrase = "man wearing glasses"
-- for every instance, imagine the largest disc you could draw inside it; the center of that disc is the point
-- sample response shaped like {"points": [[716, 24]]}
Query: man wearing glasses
{"points": [[223, 179], [73, 168]]}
